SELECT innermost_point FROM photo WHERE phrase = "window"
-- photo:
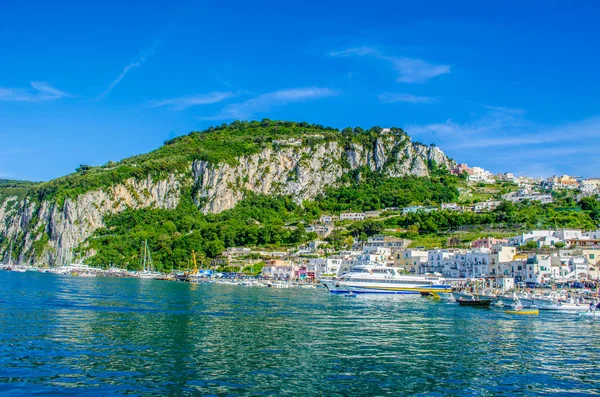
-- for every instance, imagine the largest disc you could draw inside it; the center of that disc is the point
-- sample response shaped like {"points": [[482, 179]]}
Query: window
{"points": [[592, 256]]}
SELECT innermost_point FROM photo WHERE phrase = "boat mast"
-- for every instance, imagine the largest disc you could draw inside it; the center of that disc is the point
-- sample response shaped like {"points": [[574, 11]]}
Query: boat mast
{"points": [[141, 253], [145, 246], [149, 254]]}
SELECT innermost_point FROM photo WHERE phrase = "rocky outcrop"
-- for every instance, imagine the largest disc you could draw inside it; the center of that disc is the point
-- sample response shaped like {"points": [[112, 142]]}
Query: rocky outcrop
{"points": [[303, 172], [49, 231], [66, 226]]}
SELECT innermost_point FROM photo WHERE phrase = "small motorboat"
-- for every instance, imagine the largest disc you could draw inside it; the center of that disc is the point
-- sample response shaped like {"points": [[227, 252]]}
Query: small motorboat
{"points": [[525, 312], [474, 302]]}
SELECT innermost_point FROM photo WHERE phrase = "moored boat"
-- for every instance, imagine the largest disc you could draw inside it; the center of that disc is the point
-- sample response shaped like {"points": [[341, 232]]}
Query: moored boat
{"points": [[381, 279], [566, 307], [474, 302], [462, 295], [524, 312]]}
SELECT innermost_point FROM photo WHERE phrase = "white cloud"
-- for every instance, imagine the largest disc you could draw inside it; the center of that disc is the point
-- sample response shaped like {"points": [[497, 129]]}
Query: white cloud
{"points": [[193, 100], [141, 58], [265, 102], [410, 70], [504, 139], [41, 91], [360, 51], [495, 126], [392, 97]]}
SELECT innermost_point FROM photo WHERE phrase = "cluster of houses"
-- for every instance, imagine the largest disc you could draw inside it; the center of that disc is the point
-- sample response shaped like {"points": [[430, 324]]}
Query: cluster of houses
{"points": [[577, 259], [587, 187]]}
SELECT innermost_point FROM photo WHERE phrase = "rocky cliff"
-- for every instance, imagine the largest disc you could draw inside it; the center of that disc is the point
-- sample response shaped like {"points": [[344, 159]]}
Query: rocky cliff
{"points": [[305, 171], [49, 230]]}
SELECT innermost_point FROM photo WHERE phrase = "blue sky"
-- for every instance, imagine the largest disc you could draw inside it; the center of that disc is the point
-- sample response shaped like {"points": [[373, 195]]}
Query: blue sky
{"points": [[510, 86]]}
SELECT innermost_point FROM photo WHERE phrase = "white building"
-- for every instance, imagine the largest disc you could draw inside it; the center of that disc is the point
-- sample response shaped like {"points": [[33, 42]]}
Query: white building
{"points": [[278, 270], [489, 205], [568, 234], [478, 174], [534, 234], [353, 216], [475, 264], [319, 265], [386, 242], [440, 261], [413, 261], [451, 207], [592, 235], [539, 269]]}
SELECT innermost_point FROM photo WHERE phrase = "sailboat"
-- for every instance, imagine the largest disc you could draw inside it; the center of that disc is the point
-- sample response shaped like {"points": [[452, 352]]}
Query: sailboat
{"points": [[146, 264]]}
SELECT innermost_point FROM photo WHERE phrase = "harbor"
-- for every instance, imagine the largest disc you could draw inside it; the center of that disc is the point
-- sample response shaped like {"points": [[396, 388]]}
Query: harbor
{"points": [[164, 338], [372, 280]]}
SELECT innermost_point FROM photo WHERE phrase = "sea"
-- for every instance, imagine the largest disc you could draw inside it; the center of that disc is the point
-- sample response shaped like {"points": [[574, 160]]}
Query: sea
{"points": [[65, 335]]}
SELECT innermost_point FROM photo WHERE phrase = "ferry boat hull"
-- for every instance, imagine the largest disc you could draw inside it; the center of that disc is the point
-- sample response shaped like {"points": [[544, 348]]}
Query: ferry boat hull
{"points": [[336, 287]]}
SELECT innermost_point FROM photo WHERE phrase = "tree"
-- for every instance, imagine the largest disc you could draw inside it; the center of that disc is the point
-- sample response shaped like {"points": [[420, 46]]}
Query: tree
{"points": [[413, 230], [214, 248], [83, 168], [348, 242]]}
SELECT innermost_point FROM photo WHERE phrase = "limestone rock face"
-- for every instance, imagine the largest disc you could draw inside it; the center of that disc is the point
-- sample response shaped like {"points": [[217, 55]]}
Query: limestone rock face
{"points": [[67, 226], [304, 172], [291, 168]]}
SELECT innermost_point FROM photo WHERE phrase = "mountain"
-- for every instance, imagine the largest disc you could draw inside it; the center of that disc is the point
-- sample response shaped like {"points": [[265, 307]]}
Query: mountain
{"points": [[202, 176]]}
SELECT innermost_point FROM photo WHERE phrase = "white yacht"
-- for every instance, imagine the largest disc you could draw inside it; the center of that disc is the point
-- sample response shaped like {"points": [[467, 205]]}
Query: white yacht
{"points": [[508, 299], [385, 280]]}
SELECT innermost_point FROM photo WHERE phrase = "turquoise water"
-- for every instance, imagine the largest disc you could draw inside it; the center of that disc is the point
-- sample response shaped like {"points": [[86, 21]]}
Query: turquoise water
{"points": [[98, 336]]}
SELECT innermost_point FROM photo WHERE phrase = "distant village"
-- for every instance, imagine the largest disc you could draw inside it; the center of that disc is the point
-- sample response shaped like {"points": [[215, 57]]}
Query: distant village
{"points": [[537, 257]]}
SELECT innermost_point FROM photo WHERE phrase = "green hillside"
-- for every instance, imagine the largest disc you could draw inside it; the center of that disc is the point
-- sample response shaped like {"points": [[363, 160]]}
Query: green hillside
{"points": [[277, 221], [224, 143]]}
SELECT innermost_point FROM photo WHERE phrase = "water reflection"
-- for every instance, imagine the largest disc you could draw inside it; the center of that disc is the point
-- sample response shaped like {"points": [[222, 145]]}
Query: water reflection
{"points": [[114, 336]]}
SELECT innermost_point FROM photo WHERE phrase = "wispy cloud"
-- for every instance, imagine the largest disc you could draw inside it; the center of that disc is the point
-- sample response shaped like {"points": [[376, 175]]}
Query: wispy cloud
{"points": [[410, 70], [193, 100], [393, 97], [265, 102], [503, 138], [140, 59], [496, 122], [40, 91]]}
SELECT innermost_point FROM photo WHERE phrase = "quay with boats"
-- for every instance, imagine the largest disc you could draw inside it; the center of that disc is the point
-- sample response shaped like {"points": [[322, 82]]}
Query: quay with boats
{"points": [[374, 279]]}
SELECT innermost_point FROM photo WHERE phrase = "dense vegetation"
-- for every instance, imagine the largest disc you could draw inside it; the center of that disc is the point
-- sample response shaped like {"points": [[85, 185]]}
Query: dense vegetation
{"points": [[277, 222], [367, 191], [225, 143], [11, 188], [173, 235], [256, 221]]}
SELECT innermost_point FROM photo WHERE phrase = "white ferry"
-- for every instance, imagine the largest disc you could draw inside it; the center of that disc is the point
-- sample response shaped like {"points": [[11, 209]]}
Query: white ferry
{"points": [[385, 280]]}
